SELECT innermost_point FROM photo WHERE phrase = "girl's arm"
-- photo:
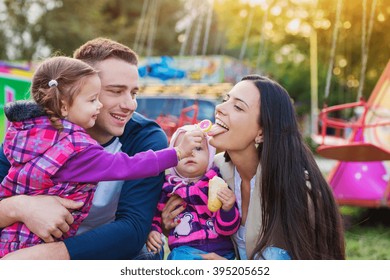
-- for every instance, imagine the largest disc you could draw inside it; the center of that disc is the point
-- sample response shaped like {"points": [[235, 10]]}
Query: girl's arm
{"points": [[124, 238], [94, 164], [227, 222]]}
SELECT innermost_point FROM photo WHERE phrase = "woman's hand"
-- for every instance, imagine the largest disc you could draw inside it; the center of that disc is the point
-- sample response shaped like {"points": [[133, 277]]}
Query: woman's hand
{"points": [[170, 212], [47, 216]]}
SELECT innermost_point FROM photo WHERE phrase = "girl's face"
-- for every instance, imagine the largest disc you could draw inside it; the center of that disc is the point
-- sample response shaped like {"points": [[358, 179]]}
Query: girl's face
{"points": [[237, 119], [86, 105], [195, 165]]}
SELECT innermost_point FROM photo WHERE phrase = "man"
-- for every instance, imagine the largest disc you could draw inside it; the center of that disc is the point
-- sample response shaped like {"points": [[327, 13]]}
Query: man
{"points": [[121, 215]]}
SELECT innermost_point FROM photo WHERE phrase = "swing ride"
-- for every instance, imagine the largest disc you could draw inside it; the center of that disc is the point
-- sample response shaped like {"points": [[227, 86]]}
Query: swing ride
{"points": [[361, 177], [361, 145], [180, 90]]}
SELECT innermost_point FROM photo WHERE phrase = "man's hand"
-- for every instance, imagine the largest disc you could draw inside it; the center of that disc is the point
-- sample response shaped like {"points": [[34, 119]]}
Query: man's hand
{"points": [[47, 216], [45, 251], [154, 242], [170, 212]]}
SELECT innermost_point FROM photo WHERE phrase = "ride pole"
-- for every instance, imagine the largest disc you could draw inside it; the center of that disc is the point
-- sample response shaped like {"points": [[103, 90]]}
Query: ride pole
{"points": [[314, 81]]}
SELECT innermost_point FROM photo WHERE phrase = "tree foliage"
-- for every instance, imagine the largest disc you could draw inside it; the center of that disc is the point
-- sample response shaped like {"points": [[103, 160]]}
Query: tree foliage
{"points": [[278, 40], [63, 25], [283, 42]]}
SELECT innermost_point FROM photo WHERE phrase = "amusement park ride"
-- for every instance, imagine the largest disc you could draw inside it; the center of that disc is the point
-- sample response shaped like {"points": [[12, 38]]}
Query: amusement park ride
{"points": [[362, 175], [361, 145]]}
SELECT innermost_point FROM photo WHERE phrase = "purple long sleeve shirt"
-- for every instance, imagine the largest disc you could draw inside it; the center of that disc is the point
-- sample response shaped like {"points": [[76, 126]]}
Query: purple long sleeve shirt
{"points": [[94, 164]]}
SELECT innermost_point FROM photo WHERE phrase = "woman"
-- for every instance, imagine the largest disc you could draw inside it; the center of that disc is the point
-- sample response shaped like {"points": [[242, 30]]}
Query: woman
{"points": [[287, 208]]}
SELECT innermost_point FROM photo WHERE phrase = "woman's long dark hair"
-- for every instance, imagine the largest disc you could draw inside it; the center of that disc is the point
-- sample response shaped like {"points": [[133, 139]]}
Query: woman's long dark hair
{"points": [[307, 218]]}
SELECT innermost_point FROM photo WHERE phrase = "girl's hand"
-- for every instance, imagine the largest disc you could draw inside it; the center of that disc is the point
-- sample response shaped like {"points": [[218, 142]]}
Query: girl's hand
{"points": [[191, 140], [227, 197], [154, 242]]}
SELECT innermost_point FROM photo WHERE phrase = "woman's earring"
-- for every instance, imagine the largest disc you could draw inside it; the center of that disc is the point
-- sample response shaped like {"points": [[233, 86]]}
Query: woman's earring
{"points": [[259, 139]]}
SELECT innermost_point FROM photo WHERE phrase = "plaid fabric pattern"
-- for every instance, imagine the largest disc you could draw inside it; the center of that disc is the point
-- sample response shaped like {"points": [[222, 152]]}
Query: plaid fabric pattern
{"points": [[36, 151]]}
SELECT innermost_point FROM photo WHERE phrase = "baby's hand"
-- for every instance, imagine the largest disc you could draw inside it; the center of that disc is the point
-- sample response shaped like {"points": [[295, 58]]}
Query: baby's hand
{"points": [[191, 140], [227, 197], [154, 242]]}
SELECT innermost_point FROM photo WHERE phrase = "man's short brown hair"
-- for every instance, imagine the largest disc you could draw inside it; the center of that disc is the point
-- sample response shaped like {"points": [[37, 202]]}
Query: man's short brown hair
{"points": [[99, 49]]}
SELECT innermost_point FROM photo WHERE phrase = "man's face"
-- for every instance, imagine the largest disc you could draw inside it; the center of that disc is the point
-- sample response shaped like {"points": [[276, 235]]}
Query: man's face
{"points": [[119, 88]]}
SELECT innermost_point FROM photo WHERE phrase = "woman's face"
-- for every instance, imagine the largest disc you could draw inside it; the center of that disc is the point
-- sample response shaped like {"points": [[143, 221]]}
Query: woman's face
{"points": [[237, 118]]}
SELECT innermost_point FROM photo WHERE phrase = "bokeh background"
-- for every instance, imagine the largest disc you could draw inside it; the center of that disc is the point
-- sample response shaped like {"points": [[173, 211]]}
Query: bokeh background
{"points": [[329, 51]]}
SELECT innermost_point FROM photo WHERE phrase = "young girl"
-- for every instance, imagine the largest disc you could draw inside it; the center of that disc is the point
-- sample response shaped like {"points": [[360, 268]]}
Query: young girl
{"points": [[51, 153], [199, 230]]}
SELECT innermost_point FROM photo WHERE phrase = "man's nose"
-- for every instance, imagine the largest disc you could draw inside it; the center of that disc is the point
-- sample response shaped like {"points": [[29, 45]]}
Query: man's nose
{"points": [[129, 103]]}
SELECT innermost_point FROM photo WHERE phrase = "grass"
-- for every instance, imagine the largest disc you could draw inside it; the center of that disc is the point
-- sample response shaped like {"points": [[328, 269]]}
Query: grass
{"points": [[367, 233]]}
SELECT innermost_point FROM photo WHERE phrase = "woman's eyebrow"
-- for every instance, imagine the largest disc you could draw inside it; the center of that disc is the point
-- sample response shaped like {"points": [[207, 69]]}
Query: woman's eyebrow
{"points": [[239, 99]]}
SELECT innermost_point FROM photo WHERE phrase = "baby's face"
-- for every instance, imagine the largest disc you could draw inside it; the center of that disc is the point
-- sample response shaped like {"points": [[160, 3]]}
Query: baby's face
{"points": [[195, 165]]}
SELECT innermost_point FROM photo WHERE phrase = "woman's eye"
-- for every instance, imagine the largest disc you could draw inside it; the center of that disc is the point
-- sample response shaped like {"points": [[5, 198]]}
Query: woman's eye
{"points": [[198, 148], [225, 98], [238, 108]]}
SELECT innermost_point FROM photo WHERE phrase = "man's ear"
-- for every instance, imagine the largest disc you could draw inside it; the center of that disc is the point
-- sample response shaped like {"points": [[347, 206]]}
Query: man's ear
{"points": [[64, 109], [259, 138]]}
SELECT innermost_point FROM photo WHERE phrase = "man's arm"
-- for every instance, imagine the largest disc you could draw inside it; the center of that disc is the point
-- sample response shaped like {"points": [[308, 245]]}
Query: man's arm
{"points": [[44, 251], [124, 238]]}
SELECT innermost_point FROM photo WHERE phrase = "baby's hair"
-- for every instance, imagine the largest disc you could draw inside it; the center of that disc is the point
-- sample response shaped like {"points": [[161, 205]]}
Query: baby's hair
{"points": [[57, 80]]}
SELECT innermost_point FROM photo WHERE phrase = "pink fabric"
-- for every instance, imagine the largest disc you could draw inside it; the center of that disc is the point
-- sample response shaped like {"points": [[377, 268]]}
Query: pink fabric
{"points": [[36, 151], [197, 221]]}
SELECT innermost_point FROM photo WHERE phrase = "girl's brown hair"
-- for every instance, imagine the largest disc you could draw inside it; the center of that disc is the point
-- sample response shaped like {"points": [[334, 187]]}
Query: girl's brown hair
{"points": [[57, 80]]}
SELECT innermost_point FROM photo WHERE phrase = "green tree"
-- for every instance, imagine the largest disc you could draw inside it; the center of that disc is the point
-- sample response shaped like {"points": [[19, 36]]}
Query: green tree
{"points": [[70, 23], [3, 50], [21, 35], [73, 22], [63, 25], [284, 52]]}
